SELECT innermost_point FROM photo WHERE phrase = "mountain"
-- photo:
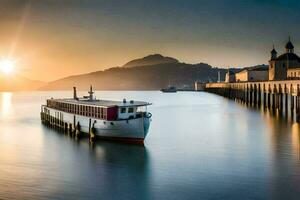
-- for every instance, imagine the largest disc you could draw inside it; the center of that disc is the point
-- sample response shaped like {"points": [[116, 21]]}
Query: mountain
{"points": [[18, 83], [151, 60], [149, 73], [145, 77]]}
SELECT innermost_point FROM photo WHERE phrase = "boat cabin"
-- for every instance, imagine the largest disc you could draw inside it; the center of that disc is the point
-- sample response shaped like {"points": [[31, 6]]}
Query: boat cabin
{"points": [[101, 109]]}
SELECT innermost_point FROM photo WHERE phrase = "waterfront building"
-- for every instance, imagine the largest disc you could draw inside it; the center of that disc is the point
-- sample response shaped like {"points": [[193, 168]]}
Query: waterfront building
{"points": [[257, 73], [199, 86], [285, 66], [230, 76]]}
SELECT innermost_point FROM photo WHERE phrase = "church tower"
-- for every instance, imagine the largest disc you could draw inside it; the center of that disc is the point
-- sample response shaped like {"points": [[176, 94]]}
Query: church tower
{"points": [[289, 47], [273, 53], [272, 64]]}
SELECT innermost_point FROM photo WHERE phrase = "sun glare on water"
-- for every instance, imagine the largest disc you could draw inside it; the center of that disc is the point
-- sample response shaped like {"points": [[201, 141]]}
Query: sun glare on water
{"points": [[7, 66]]}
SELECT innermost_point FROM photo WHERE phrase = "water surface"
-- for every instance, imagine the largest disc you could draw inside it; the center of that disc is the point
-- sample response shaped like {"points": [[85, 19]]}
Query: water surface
{"points": [[199, 146]]}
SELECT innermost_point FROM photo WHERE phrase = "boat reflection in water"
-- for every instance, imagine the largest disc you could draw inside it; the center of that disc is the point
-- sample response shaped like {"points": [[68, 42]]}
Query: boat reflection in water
{"points": [[111, 168], [121, 166]]}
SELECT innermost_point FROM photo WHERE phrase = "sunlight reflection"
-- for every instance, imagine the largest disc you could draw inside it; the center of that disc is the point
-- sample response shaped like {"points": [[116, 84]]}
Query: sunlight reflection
{"points": [[295, 139], [5, 102]]}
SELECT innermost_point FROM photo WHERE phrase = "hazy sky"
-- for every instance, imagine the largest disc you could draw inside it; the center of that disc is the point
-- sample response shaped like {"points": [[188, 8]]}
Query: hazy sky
{"points": [[55, 38]]}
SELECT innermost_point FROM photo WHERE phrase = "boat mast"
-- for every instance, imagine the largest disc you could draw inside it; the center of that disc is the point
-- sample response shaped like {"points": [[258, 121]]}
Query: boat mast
{"points": [[91, 93], [75, 93]]}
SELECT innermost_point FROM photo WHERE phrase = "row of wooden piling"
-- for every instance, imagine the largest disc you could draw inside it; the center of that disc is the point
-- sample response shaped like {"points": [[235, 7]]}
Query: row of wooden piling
{"points": [[71, 128], [281, 100]]}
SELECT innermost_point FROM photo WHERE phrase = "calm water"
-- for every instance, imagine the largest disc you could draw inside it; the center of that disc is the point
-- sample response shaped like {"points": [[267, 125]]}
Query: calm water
{"points": [[200, 146]]}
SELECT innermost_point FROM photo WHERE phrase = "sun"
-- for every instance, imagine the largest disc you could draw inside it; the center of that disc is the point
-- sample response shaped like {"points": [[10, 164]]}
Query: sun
{"points": [[7, 66]]}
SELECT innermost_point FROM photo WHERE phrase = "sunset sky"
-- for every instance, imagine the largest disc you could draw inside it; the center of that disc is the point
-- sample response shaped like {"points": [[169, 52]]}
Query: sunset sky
{"points": [[51, 39]]}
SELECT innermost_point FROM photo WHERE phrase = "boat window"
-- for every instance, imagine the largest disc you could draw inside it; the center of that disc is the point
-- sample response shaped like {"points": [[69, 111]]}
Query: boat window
{"points": [[101, 113], [98, 113], [141, 109], [93, 112], [104, 113], [123, 110], [130, 110]]}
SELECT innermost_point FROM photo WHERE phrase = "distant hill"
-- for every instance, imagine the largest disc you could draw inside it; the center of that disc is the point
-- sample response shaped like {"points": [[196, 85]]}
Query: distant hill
{"points": [[152, 72], [149, 77], [18, 83], [151, 60]]}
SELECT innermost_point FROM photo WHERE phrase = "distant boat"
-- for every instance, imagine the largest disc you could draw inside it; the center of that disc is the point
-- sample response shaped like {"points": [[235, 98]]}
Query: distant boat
{"points": [[170, 89]]}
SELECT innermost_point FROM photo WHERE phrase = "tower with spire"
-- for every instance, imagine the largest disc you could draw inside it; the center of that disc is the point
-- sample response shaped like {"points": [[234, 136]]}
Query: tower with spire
{"points": [[273, 53], [91, 93], [289, 47]]}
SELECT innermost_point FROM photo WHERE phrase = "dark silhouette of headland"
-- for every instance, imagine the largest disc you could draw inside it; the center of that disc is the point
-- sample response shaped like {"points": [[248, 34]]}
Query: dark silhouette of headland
{"points": [[152, 72]]}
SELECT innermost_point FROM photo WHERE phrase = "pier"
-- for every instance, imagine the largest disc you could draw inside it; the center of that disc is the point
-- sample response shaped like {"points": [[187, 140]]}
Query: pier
{"points": [[282, 96]]}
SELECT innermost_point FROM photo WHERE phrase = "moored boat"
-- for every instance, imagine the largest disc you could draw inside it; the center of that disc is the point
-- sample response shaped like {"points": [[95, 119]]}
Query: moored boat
{"points": [[113, 120], [170, 89]]}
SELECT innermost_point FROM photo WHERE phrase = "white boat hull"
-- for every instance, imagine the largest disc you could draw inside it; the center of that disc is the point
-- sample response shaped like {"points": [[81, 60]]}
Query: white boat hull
{"points": [[132, 129]]}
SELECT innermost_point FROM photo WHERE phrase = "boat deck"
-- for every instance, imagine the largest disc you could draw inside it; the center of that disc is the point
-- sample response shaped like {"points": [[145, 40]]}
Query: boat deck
{"points": [[104, 103]]}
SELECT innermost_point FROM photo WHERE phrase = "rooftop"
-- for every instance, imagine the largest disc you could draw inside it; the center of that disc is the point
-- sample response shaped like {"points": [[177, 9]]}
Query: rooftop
{"points": [[288, 56], [255, 68]]}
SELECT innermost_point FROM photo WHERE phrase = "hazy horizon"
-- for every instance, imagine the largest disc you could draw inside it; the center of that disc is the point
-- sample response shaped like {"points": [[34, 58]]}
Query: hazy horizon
{"points": [[52, 39]]}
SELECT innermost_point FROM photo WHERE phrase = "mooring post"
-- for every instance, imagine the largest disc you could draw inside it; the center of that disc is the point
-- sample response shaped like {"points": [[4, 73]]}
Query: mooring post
{"points": [[276, 101], [244, 94], [91, 131], [286, 102], [259, 96], [292, 104], [78, 129], [273, 101], [251, 95], [275, 98], [71, 129], [264, 97], [281, 102], [90, 128], [247, 95], [255, 95], [269, 97], [286, 99], [297, 107], [297, 103]]}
